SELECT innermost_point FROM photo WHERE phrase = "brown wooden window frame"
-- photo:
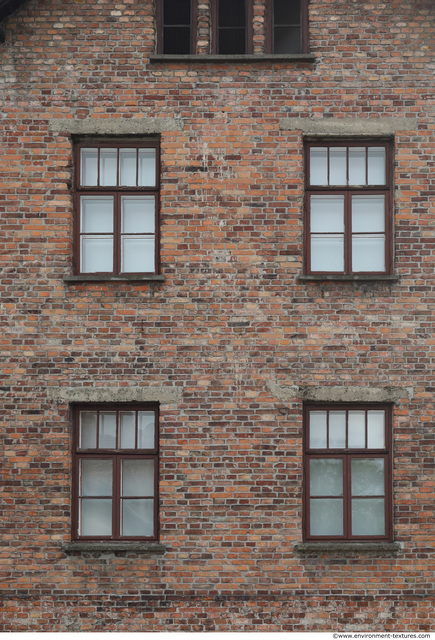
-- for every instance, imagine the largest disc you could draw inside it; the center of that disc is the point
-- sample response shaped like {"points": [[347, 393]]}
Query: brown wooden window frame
{"points": [[346, 455], [116, 455], [249, 28], [161, 26], [303, 27], [348, 191], [116, 192]]}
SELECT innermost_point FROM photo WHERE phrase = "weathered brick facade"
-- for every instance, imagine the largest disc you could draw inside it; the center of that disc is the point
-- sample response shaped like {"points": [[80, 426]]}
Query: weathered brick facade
{"points": [[233, 341]]}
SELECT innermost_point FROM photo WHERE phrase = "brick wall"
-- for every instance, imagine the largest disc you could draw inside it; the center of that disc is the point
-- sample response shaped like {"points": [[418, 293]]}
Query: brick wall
{"points": [[233, 333]]}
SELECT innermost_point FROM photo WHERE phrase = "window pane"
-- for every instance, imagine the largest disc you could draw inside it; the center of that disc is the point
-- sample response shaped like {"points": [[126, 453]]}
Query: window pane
{"points": [[376, 165], [127, 163], [368, 253], [89, 167], [128, 429], [147, 166], [368, 517], [146, 429], [327, 214], [137, 478], [137, 214], [108, 167], [368, 477], [285, 12], [376, 429], [137, 518], [368, 214], [137, 254], [326, 477], [317, 429], [357, 165], [337, 429], [96, 214], [107, 430], [318, 166], [176, 40], [337, 165], [232, 41], [286, 40], [95, 477], [88, 429], [326, 517], [327, 253], [97, 254], [176, 12], [232, 13], [95, 518], [356, 430]]}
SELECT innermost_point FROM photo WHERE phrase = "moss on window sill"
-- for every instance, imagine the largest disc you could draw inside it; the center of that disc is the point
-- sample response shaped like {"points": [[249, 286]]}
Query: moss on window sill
{"points": [[347, 548], [139, 548]]}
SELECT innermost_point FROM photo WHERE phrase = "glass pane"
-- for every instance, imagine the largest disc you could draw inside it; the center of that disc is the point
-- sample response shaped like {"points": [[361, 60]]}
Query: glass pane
{"points": [[147, 167], [128, 429], [368, 253], [96, 214], [232, 41], [137, 517], [368, 214], [127, 164], [376, 429], [318, 166], [337, 165], [138, 214], [137, 478], [176, 40], [337, 429], [317, 429], [97, 254], [327, 214], [368, 477], [89, 167], [327, 253], [286, 40], [107, 430], [368, 517], [326, 477], [137, 254], [95, 477], [108, 167], [146, 429], [176, 12], [326, 517], [357, 165], [376, 165], [356, 430], [231, 13], [95, 518], [285, 12], [88, 429]]}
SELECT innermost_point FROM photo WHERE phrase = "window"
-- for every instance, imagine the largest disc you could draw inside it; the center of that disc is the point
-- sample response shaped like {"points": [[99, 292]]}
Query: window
{"points": [[347, 473], [116, 208], [176, 20], [115, 473], [287, 26], [348, 208], [232, 26]]}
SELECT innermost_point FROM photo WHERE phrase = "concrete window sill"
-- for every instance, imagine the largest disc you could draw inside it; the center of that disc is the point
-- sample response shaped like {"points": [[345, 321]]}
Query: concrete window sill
{"points": [[351, 278], [212, 58], [139, 548], [96, 277], [347, 548]]}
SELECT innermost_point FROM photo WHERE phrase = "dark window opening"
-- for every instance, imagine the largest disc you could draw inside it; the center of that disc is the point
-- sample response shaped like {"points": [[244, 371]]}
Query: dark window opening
{"points": [[175, 20]]}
